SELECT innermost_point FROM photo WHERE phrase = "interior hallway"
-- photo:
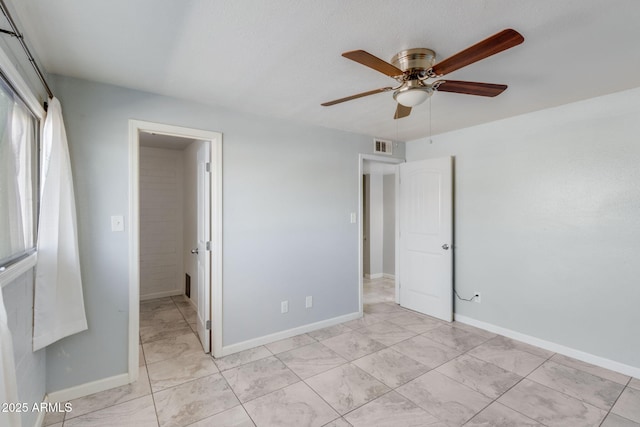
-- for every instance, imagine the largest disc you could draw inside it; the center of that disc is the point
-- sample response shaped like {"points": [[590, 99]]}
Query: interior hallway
{"points": [[393, 367]]}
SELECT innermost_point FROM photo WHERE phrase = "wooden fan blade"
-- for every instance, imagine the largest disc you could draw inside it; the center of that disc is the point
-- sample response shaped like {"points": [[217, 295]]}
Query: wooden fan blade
{"points": [[402, 111], [359, 95], [366, 59], [469, 88], [503, 40]]}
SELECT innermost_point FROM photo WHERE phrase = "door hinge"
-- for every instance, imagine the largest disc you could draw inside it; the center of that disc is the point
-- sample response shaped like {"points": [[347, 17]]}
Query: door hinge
{"points": [[207, 324], [208, 246], [207, 166]]}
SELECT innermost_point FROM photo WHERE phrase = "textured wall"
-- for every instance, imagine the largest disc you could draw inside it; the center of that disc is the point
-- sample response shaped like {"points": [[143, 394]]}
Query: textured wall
{"points": [[288, 191], [546, 223], [161, 222]]}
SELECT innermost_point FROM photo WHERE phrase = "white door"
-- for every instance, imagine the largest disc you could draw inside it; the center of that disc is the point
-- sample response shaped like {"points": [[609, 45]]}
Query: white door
{"points": [[426, 254], [203, 252]]}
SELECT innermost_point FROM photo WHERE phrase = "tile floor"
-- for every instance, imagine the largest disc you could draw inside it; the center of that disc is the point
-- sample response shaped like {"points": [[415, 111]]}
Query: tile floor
{"points": [[393, 367]]}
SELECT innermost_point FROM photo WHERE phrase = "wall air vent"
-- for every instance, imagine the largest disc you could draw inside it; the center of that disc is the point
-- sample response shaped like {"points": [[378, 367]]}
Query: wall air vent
{"points": [[381, 146]]}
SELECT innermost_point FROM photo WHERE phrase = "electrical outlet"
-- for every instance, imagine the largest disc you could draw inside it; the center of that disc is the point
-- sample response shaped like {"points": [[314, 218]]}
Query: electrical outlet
{"points": [[309, 302], [477, 297], [284, 307]]}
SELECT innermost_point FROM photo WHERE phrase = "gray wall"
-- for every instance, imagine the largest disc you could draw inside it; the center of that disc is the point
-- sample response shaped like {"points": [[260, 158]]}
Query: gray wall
{"points": [[288, 191], [30, 366], [389, 227], [546, 223]]}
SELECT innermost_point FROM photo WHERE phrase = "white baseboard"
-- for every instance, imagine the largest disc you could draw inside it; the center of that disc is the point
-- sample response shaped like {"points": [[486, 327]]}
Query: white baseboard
{"points": [[86, 389], [551, 346], [389, 276], [161, 294], [374, 276], [266, 339]]}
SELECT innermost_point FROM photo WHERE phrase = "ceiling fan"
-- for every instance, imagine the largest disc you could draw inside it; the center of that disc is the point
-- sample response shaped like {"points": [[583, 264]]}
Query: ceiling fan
{"points": [[413, 67]]}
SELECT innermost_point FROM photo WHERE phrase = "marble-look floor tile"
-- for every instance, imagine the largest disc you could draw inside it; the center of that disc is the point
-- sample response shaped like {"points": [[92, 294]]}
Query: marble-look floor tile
{"points": [[387, 333], [634, 383], [53, 418], [391, 367], [141, 358], [455, 338], [114, 396], [173, 347], [53, 425], [579, 384], [347, 387], [628, 405], [163, 331], [482, 332], [550, 407], [443, 397], [415, 322], [331, 331], [258, 378], [353, 345], [383, 307], [241, 358], [340, 422], [190, 315], [150, 318], [234, 417], [614, 420], [157, 304], [479, 375], [139, 412], [193, 401], [390, 410], [508, 354], [430, 353], [366, 320], [171, 372], [498, 415], [592, 369], [311, 359], [295, 405], [289, 343]]}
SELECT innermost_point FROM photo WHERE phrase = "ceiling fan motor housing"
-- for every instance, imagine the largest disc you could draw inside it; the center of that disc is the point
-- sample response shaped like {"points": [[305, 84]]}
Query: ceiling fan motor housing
{"points": [[414, 61]]}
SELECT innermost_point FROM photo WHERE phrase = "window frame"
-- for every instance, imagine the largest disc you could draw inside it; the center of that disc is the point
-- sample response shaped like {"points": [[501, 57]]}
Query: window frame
{"points": [[15, 80]]}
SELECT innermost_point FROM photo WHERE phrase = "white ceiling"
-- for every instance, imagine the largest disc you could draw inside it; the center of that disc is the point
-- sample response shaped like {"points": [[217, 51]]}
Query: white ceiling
{"points": [[281, 58], [167, 142]]}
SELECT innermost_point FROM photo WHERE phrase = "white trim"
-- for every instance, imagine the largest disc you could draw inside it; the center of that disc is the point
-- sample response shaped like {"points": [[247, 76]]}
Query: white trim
{"points": [[374, 276], [215, 138], [551, 346], [86, 389], [16, 270], [20, 85], [162, 294], [381, 159], [134, 252], [267, 339]]}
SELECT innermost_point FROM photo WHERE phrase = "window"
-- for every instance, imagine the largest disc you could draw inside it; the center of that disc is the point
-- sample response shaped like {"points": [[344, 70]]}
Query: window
{"points": [[19, 135]]}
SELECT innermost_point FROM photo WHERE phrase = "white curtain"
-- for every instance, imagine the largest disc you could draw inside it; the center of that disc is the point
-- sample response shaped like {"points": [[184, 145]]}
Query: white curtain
{"points": [[8, 387], [59, 304]]}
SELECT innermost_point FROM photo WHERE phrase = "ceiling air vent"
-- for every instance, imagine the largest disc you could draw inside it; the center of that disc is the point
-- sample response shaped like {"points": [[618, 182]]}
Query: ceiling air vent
{"points": [[381, 146]]}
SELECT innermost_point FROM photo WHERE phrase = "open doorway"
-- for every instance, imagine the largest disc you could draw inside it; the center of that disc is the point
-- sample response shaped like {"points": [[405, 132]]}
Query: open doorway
{"points": [[378, 230], [175, 246]]}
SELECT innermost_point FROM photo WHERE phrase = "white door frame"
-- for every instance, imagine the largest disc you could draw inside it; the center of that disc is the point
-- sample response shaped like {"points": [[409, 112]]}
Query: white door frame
{"points": [[378, 159], [135, 127]]}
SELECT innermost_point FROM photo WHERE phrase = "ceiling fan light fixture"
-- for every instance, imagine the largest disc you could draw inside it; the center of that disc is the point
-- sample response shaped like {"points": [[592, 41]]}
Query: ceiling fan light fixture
{"points": [[412, 96]]}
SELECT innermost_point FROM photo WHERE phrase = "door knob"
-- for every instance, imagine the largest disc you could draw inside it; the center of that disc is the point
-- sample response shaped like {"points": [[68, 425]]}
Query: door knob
{"points": [[194, 251], [445, 247]]}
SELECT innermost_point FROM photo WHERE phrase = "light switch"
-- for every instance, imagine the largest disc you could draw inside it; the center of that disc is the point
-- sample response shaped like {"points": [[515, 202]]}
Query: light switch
{"points": [[117, 223], [353, 217]]}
